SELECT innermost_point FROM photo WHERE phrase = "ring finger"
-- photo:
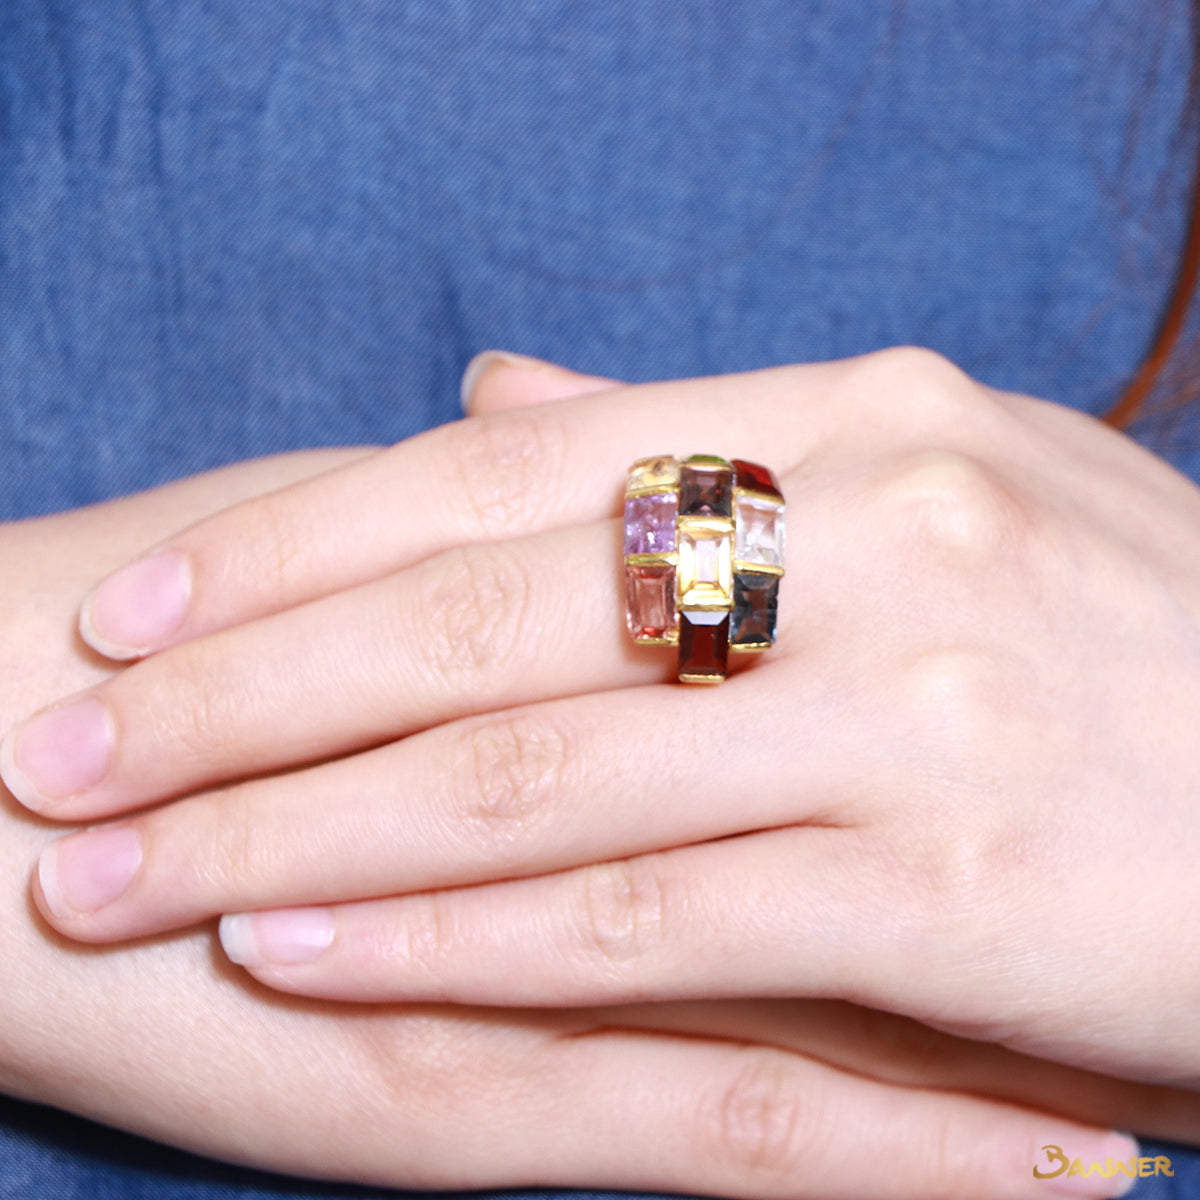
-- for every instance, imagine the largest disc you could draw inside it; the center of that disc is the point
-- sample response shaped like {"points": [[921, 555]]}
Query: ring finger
{"points": [[525, 791]]}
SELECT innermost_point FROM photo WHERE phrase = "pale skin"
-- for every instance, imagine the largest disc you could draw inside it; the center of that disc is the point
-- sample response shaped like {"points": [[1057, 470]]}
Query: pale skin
{"points": [[520, 764]]}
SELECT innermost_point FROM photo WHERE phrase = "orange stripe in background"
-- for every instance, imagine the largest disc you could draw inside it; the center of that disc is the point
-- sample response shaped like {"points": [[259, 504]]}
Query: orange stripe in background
{"points": [[1129, 406]]}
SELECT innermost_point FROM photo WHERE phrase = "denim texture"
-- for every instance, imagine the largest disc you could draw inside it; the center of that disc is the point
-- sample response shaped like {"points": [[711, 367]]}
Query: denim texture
{"points": [[229, 228]]}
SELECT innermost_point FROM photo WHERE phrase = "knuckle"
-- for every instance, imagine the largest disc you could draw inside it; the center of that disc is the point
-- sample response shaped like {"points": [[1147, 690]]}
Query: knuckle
{"points": [[505, 470], [764, 1121], [476, 610], [195, 705], [950, 507], [515, 769], [618, 913], [235, 858], [950, 697], [951, 891], [421, 937], [272, 549], [920, 364], [431, 1069], [918, 378], [957, 732], [950, 1170], [921, 393]]}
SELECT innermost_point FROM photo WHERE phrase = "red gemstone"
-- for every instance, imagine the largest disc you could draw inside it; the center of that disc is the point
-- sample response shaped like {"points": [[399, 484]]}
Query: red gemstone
{"points": [[650, 600], [703, 644], [755, 478]]}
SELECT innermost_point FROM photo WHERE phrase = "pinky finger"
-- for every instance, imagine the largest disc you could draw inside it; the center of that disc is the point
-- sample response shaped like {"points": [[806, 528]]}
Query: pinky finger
{"points": [[710, 1118]]}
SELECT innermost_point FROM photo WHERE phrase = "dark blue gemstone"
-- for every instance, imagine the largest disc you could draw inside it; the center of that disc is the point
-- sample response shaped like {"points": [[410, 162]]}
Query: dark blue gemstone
{"points": [[755, 608]]}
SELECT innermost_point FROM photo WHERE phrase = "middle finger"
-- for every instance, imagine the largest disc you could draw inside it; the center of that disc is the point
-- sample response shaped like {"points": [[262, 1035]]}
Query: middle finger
{"points": [[526, 791], [473, 629]]}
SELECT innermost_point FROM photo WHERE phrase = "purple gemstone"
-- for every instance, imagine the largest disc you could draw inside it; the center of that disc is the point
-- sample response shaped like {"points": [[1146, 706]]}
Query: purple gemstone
{"points": [[650, 523]]}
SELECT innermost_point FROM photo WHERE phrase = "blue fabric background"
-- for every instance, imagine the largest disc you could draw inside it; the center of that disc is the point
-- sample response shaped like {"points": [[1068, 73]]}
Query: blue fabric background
{"points": [[230, 228]]}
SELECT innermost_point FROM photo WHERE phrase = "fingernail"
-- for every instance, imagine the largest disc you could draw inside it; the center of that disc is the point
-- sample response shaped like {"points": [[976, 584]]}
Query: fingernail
{"points": [[138, 607], [57, 753], [279, 938], [1106, 1167], [484, 361], [84, 872]]}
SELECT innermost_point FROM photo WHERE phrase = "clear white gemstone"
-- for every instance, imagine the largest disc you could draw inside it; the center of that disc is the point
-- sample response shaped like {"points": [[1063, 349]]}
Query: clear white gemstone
{"points": [[759, 526]]}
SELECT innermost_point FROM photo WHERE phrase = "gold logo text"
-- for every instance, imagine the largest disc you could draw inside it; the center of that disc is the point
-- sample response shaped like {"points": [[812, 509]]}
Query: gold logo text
{"points": [[1132, 1168]]}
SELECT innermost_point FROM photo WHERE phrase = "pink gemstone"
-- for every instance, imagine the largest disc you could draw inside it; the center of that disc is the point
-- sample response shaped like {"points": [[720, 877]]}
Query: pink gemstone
{"points": [[650, 600], [650, 523]]}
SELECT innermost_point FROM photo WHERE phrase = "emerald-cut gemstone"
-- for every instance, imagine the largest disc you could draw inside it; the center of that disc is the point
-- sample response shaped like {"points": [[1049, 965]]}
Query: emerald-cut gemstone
{"points": [[705, 563], [657, 472], [650, 600], [755, 609], [650, 523], [754, 478], [703, 646], [759, 530], [706, 487]]}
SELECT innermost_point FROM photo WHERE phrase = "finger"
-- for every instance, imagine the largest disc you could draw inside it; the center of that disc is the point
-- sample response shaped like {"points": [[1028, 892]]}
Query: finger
{"points": [[492, 477], [711, 1119], [897, 1050], [519, 793], [497, 380], [782, 913], [473, 630]]}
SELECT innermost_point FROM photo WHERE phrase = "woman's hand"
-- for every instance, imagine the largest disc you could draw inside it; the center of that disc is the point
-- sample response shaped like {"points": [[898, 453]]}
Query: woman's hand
{"points": [[737, 1099], [963, 787]]}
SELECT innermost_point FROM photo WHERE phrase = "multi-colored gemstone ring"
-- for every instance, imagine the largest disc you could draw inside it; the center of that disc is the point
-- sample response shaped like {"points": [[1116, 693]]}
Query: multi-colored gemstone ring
{"points": [[703, 559]]}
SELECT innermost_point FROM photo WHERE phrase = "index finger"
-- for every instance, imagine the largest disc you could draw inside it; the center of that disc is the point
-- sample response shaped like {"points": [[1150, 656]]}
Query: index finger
{"points": [[486, 478]]}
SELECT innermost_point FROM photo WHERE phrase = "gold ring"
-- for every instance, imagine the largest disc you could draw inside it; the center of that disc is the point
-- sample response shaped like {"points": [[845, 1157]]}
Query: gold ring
{"points": [[704, 542]]}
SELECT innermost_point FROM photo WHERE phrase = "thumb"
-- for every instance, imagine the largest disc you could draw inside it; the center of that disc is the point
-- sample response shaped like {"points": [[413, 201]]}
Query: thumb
{"points": [[497, 380]]}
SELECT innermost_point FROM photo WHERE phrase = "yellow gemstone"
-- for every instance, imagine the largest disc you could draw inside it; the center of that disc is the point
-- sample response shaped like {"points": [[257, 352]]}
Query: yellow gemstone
{"points": [[705, 571], [661, 471]]}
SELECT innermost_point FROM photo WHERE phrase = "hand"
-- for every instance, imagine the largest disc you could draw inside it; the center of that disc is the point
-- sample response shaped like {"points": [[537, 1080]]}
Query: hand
{"points": [[961, 788], [753, 1100]]}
